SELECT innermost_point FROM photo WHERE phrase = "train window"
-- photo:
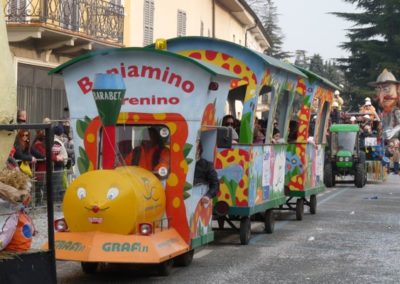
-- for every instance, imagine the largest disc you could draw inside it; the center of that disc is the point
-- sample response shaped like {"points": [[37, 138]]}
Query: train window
{"points": [[294, 116], [315, 107], [235, 101], [264, 102], [265, 97], [281, 113], [322, 124], [144, 145]]}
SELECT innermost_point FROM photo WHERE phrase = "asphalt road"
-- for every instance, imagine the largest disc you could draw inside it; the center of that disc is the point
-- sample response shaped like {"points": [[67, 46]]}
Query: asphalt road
{"points": [[353, 238]]}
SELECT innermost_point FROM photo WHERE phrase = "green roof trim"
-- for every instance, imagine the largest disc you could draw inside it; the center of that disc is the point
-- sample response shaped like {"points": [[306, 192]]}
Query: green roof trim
{"points": [[281, 65], [210, 68], [344, 128], [313, 76]]}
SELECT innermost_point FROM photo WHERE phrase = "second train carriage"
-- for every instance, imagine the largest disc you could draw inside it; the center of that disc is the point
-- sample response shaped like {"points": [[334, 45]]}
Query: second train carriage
{"points": [[252, 174]]}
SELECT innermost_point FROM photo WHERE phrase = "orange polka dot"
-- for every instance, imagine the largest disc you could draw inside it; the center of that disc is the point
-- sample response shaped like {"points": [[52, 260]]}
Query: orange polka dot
{"points": [[172, 180], [176, 202], [172, 127], [176, 147], [91, 138], [123, 117], [184, 166], [136, 118], [159, 116]]}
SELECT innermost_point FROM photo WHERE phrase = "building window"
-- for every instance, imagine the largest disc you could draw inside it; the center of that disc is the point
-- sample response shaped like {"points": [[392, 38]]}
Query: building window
{"points": [[181, 23], [148, 22], [40, 94], [201, 28]]}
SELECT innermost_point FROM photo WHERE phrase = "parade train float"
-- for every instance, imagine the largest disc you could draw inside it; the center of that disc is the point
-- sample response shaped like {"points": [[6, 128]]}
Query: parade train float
{"points": [[118, 213], [115, 212]]}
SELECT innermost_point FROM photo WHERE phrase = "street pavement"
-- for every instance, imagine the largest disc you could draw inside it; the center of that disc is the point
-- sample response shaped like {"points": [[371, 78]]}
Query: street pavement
{"points": [[353, 238]]}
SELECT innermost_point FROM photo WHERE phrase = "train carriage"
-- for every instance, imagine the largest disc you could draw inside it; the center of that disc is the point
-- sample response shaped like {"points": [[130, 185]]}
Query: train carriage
{"points": [[305, 152], [252, 175]]}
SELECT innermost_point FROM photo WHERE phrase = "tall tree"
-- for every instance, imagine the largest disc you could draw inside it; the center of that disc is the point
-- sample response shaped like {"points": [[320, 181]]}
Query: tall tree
{"points": [[374, 43], [301, 58], [317, 64], [268, 14]]}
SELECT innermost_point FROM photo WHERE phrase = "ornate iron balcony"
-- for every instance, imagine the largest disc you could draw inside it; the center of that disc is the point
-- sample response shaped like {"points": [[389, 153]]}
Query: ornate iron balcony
{"points": [[103, 20]]}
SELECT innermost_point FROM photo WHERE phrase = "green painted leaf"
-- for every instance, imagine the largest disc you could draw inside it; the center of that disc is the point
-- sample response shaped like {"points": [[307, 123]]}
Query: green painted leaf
{"points": [[83, 154], [307, 100], [189, 161], [82, 165], [186, 149], [187, 186], [186, 195], [81, 128], [87, 119]]}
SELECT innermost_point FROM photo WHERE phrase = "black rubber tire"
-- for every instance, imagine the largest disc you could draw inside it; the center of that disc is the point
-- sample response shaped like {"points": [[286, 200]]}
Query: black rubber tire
{"points": [[269, 221], [245, 230], [299, 209], [165, 268], [363, 157], [313, 204], [221, 222], [89, 267], [185, 259], [359, 175], [365, 177], [329, 178]]}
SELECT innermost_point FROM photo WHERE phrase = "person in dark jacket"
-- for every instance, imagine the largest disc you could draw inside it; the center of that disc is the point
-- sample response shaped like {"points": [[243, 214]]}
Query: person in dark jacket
{"points": [[22, 151], [205, 173]]}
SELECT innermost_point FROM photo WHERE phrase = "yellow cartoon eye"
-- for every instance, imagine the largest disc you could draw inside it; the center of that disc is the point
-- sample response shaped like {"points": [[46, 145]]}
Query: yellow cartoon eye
{"points": [[112, 193], [81, 192]]}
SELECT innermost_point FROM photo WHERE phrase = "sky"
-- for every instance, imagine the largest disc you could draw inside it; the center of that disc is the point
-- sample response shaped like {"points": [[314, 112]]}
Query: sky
{"points": [[307, 25]]}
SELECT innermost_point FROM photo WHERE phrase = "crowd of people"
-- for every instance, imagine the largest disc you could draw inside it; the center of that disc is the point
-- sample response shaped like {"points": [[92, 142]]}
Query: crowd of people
{"points": [[259, 131], [29, 155]]}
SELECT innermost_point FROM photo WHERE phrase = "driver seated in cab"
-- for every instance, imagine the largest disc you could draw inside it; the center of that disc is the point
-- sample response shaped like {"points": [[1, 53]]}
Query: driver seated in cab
{"points": [[151, 154]]}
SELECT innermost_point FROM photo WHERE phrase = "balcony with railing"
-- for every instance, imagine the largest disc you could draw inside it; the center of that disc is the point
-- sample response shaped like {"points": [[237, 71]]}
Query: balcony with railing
{"points": [[65, 25]]}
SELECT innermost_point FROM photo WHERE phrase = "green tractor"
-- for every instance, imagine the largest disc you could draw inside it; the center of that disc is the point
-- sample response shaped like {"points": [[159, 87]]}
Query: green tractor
{"points": [[344, 156]]}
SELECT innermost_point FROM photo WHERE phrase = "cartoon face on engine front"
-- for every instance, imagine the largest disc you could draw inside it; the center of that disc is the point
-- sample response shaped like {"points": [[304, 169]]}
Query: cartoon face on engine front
{"points": [[100, 201], [114, 201]]}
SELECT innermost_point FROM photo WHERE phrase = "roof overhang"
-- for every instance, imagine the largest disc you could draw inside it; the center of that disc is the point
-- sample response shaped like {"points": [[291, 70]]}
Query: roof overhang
{"points": [[62, 42], [242, 12]]}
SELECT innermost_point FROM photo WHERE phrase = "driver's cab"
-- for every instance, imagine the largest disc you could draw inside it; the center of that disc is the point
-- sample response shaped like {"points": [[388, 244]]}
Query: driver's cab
{"points": [[344, 142], [146, 146]]}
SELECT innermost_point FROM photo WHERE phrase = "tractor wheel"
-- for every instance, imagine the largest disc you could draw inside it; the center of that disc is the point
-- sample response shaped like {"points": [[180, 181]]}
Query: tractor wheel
{"points": [[359, 175], [363, 157], [329, 178]]}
